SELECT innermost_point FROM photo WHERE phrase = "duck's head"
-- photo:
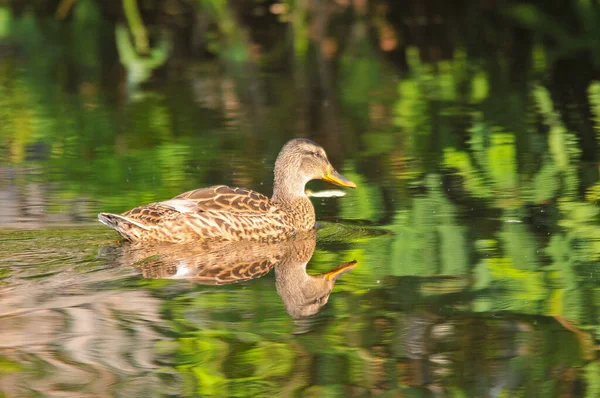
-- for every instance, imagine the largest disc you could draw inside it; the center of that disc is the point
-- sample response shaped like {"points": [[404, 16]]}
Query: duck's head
{"points": [[302, 160]]}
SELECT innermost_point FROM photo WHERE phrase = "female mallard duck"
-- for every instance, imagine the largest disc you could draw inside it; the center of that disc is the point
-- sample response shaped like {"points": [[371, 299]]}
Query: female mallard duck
{"points": [[221, 213]]}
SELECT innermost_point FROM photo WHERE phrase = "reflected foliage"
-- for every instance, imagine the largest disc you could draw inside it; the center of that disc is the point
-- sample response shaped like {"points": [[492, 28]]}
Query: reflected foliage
{"points": [[472, 136]]}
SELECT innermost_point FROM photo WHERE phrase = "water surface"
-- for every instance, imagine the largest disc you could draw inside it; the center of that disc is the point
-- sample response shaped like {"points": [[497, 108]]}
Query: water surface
{"points": [[474, 226]]}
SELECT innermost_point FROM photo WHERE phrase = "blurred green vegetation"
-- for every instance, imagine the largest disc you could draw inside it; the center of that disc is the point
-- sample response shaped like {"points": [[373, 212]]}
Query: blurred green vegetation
{"points": [[472, 136]]}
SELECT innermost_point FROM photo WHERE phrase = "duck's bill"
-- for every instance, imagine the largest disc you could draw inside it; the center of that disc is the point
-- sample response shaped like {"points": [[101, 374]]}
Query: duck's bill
{"points": [[340, 270], [336, 178]]}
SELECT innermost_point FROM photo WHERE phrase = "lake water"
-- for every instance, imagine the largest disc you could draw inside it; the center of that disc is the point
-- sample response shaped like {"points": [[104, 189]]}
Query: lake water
{"points": [[474, 226]]}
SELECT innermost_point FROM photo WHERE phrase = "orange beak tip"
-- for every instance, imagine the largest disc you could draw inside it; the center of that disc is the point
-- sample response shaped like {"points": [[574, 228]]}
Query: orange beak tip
{"points": [[334, 274]]}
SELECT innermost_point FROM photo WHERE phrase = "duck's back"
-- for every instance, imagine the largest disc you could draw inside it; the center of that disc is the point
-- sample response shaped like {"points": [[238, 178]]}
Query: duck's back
{"points": [[217, 213], [227, 199]]}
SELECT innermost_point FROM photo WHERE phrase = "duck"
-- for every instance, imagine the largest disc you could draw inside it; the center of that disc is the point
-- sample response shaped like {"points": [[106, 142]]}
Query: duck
{"points": [[223, 213], [302, 294]]}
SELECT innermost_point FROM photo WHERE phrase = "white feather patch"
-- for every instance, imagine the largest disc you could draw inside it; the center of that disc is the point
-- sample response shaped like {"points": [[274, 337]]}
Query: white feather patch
{"points": [[183, 270], [180, 205], [130, 221]]}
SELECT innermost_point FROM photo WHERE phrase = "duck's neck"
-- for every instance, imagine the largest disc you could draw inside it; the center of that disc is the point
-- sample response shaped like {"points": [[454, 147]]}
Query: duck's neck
{"points": [[289, 195]]}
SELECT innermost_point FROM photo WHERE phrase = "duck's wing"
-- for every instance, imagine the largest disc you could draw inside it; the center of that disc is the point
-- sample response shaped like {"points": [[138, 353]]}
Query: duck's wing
{"points": [[224, 198], [212, 209], [208, 264], [206, 271], [217, 199]]}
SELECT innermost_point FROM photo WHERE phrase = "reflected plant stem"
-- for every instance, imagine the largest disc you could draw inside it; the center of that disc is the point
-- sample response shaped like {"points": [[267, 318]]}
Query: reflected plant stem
{"points": [[589, 349], [298, 40], [329, 108], [298, 380], [298, 66], [63, 9], [136, 25]]}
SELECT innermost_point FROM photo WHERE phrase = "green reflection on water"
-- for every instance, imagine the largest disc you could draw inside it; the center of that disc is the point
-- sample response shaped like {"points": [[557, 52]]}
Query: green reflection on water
{"points": [[475, 223]]}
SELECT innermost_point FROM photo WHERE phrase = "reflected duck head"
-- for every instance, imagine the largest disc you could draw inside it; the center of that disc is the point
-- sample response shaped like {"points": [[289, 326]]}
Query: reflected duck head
{"points": [[304, 295]]}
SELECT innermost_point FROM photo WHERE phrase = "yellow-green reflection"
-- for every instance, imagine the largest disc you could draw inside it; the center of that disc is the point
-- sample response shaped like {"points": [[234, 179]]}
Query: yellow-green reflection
{"points": [[475, 223]]}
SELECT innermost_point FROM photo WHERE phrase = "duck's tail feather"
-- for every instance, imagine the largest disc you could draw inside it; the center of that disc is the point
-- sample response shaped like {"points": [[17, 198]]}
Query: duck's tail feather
{"points": [[126, 227]]}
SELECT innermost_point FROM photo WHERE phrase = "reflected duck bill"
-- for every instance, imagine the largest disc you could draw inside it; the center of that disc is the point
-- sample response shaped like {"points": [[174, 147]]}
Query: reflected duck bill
{"points": [[340, 270]]}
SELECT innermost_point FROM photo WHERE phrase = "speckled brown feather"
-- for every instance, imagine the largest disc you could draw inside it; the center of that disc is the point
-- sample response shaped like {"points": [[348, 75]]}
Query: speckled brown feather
{"points": [[210, 269], [225, 263], [218, 213]]}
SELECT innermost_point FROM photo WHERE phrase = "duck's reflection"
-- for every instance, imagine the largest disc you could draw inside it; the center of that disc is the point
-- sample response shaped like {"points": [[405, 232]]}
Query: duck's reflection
{"points": [[303, 295]]}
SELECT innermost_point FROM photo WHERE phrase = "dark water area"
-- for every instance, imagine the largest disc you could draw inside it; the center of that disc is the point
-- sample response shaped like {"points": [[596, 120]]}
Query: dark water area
{"points": [[466, 262]]}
